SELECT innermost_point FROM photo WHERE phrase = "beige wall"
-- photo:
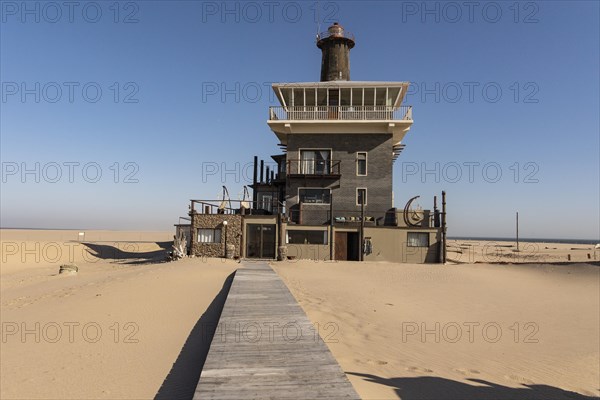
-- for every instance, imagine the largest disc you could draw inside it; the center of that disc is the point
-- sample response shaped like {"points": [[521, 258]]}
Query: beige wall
{"points": [[308, 251], [389, 244]]}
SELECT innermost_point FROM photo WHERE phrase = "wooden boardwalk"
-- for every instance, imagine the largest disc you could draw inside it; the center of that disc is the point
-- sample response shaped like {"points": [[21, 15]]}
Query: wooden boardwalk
{"points": [[265, 347]]}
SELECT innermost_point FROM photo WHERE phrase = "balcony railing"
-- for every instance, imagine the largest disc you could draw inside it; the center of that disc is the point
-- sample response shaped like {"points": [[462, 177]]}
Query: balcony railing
{"points": [[313, 167], [320, 214], [237, 207], [345, 113]]}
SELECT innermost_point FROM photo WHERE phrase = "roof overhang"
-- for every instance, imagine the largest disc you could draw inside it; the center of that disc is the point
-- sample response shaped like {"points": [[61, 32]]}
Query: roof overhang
{"points": [[279, 88], [397, 128]]}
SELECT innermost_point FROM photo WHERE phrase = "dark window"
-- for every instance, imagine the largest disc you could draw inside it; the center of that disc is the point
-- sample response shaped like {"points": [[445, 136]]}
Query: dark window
{"points": [[307, 237], [417, 239], [361, 196], [361, 163], [315, 196]]}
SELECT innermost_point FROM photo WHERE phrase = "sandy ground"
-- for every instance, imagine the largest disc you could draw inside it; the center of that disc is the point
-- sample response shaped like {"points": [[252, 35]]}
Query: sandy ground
{"points": [[126, 326], [470, 251], [465, 331]]}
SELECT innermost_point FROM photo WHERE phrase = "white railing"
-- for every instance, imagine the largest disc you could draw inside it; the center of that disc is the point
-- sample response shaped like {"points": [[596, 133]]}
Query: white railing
{"points": [[356, 113]]}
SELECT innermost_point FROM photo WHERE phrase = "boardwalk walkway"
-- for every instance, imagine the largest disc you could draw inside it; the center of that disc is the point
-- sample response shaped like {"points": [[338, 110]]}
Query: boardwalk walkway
{"points": [[266, 348]]}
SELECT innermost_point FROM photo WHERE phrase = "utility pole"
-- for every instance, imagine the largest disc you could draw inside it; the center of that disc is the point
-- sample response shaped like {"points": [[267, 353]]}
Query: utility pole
{"points": [[331, 227], [225, 247], [362, 228], [517, 231], [443, 227]]}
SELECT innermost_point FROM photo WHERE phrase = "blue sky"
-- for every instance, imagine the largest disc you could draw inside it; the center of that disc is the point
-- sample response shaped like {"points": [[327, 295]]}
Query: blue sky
{"points": [[128, 90]]}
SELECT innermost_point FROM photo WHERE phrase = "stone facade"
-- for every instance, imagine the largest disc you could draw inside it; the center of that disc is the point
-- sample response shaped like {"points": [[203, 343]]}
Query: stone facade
{"points": [[233, 232]]}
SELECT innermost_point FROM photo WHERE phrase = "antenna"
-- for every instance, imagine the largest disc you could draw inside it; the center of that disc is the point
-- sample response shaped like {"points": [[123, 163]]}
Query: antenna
{"points": [[318, 17]]}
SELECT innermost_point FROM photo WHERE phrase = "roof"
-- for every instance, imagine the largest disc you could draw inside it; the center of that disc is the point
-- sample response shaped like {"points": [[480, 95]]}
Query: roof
{"points": [[336, 84], [396, 91]]}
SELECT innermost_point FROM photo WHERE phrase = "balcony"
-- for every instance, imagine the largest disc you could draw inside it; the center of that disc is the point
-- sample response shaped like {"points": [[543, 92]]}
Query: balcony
{"points": [[340, 113], [313, 168]]}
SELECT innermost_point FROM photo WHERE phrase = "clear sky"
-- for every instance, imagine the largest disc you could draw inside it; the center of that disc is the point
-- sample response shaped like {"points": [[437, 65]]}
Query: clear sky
{"points": [[114, 115]]}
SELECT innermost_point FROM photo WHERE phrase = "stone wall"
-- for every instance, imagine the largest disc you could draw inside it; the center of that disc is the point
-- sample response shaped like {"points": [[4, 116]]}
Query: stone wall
{"points": [[215, 221]]}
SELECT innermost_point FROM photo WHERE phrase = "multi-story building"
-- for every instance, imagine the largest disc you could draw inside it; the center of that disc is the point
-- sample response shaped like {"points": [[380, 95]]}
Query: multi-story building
{"points": [[329, 195]]}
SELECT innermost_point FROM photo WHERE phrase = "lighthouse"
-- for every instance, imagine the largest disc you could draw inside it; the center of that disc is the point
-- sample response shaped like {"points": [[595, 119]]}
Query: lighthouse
{"points": [[328, 194], [335, 46]]}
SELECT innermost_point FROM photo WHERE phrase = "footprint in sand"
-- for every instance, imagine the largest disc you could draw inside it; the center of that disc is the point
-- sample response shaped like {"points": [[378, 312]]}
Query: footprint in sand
{"points": [[465, 371], [377, 362], [370, 362], [519, 379], [417, 369]]}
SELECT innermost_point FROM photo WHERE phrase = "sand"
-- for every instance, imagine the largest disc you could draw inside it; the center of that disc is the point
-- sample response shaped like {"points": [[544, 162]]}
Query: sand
{"points": [[126, 326], [471, 251], [467, 331], [122, 327]]}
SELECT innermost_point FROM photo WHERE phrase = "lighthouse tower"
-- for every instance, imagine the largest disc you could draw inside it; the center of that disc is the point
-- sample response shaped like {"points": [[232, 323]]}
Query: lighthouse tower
{"points": [[335, 46]]}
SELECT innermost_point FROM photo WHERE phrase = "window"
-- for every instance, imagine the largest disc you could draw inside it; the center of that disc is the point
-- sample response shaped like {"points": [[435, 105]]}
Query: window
{"points": [[361, 196], [315, 162], [315, 196], [209, 235], [307, 237], [361, 163], [265, 201], [281, 168], [417, 239]]}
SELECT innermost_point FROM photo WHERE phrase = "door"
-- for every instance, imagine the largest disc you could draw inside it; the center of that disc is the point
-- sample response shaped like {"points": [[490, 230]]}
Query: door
{"points": [[334, 102], [353, 246], [341, 246], [260, 241]]}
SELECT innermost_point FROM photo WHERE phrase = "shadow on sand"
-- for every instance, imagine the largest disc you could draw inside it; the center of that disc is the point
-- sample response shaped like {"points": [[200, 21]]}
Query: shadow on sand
{"points": [[127, 252], [183, 378], [433, 388]]}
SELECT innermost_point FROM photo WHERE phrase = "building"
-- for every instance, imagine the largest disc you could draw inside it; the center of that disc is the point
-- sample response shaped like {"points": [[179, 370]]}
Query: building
{"points": [[328, 196]]}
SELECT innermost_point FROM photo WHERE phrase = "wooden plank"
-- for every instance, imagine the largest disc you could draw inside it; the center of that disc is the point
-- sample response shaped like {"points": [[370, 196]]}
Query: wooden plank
{"points": [[266, 347]]}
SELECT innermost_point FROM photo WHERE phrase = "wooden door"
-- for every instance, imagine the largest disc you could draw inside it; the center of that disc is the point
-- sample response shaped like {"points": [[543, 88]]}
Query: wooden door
{"points": [[341, 246]]}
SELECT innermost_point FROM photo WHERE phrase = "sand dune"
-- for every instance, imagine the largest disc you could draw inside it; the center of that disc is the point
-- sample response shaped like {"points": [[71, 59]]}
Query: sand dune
{"points": [[115, 330], [475, 331]]}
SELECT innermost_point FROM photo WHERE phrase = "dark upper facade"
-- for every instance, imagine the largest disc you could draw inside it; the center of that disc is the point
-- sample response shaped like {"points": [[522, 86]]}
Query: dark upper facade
{"points": [[340, 139]]}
